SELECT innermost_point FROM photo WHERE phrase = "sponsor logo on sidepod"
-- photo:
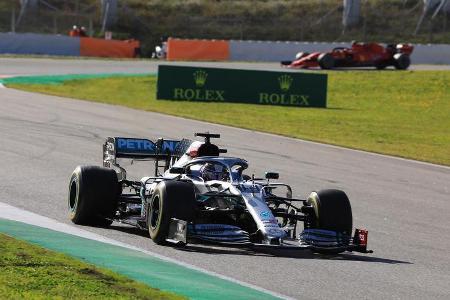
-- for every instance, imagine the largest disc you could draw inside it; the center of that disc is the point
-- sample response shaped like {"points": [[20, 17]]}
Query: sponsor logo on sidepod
{"points": [[265, 215]]}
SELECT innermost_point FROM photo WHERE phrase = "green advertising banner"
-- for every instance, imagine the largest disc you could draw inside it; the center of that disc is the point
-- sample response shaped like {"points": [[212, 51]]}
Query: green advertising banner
{"points": [[302, 89]]}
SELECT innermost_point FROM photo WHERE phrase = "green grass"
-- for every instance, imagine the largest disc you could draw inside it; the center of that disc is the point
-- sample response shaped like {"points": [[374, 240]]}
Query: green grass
{"points": [[31, 272], [405, 114]]}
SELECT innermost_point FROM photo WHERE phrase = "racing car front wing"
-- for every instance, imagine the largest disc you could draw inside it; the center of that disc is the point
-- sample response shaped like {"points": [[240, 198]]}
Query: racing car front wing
{"points": [[317, 240]]}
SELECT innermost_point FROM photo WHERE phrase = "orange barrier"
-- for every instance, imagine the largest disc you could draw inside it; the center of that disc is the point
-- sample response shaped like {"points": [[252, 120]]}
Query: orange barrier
{"points": [[180, 49], [108, 48]]}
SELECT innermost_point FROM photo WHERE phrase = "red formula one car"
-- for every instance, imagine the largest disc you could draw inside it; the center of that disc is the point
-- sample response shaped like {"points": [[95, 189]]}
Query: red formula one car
{"points": [[358, 55]]}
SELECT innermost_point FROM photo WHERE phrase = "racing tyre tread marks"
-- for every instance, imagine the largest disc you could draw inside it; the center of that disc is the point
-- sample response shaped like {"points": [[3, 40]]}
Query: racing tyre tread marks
{"points": [[92, 198], [171, 199]]}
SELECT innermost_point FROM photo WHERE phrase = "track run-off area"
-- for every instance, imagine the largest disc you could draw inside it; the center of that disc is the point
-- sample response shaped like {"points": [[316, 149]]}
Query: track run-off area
{"points": [[404, 204]]}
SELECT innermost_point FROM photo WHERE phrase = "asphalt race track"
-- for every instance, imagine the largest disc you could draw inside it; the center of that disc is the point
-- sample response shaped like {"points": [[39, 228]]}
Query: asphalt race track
{"points": [[46, 66], [404, 204]]}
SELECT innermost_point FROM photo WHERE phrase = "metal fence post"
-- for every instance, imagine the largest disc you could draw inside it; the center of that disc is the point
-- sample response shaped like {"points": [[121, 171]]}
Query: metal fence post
{"points": [[13, 19]]}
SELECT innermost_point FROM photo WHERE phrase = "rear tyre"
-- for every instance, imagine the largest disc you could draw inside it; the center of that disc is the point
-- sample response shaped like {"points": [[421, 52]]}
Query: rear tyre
{"points": [[326, 61], [171, 199], [402, 61], [92, 198], [332, 211]]}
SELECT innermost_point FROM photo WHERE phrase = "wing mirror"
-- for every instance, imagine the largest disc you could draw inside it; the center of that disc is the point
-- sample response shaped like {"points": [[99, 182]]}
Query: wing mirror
{"points": [[176, 170], [272, 175]]}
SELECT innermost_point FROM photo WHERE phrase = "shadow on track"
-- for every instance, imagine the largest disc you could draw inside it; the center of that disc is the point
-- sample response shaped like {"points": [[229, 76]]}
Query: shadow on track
{"points": [[129, 229], [344, 69], [214, 249], [291, 253]]}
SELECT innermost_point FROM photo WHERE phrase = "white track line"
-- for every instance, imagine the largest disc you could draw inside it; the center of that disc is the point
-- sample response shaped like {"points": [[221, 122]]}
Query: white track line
{"points": [[16, 214], [300, 140]]}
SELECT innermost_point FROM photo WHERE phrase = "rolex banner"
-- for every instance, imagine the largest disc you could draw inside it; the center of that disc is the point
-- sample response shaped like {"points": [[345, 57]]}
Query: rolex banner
{"points": [[242, 86]]}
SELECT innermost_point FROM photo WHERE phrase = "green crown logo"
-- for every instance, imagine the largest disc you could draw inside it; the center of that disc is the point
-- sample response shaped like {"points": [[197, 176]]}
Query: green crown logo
{"points": [[200, 78], [285, 82]]}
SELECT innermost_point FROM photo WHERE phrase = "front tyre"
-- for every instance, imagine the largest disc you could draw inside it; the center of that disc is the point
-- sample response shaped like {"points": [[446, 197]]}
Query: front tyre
{"points": [[402, 61], [171, 199], [92, 198], [332, 211], [326, 61]]}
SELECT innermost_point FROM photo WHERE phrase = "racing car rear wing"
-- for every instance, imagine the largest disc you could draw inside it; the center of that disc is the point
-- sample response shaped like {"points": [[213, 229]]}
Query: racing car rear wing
{"points": [[135, 148]]}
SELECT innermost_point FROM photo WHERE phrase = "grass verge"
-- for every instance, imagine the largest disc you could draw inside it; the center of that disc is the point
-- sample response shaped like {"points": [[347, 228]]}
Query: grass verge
{"points": [[32, 272], [406, 114]]}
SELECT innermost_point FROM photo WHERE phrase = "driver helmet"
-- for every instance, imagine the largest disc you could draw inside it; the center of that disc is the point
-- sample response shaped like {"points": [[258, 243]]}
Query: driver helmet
{"points": [[211, 171]]}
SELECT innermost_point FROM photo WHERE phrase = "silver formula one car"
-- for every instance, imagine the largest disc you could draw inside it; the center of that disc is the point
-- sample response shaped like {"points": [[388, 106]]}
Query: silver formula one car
{"points": [[202, 196]]}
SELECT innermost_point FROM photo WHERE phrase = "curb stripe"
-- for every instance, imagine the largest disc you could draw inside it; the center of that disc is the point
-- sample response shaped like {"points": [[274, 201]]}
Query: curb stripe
{"points": [[145, 266], [59, 79]]}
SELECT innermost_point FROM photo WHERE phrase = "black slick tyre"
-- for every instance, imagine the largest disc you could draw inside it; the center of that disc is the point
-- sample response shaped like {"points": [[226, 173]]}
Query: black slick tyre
{"points": [[326, 61], [171, 199], [92, 198], [332, 211], [401, 61]]}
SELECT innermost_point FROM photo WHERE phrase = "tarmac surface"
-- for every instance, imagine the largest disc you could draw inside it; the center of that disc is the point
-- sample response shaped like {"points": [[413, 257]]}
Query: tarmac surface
{"points": [[47, 66], [404, 204]]}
